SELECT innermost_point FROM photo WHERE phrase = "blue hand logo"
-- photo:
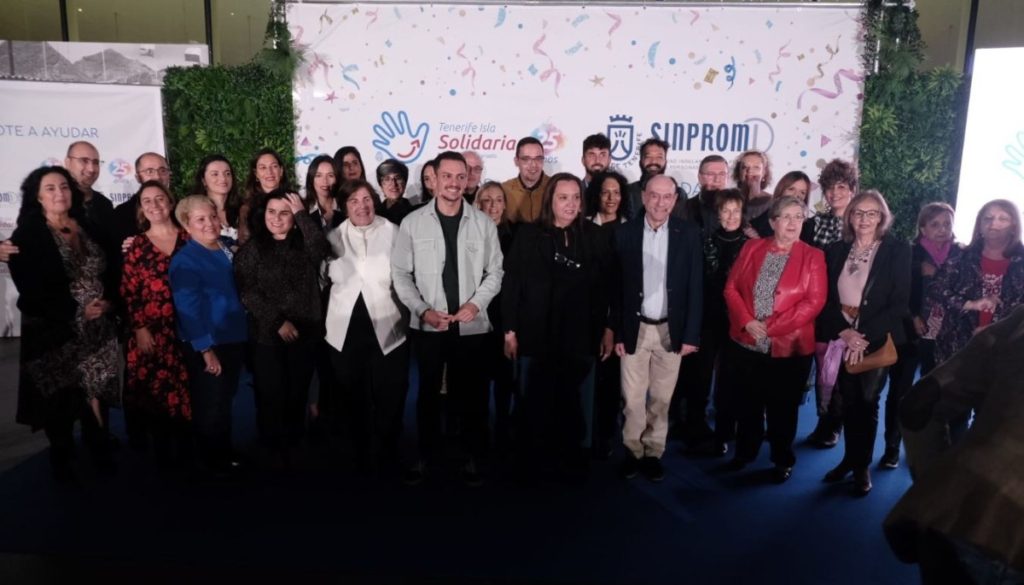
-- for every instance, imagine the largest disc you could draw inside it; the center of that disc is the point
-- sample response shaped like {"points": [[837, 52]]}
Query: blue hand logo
{"points": [[397, 139]]}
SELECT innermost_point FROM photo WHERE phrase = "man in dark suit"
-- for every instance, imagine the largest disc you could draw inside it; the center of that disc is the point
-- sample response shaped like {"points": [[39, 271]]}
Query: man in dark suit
{"points": [[656, 317]]}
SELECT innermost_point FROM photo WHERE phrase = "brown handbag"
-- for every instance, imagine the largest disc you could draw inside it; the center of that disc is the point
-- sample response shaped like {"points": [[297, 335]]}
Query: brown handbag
{"points": [[883, 357]]}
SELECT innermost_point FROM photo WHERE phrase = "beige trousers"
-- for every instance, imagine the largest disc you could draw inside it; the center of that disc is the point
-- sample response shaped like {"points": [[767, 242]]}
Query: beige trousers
{"points": [[648, 379]]}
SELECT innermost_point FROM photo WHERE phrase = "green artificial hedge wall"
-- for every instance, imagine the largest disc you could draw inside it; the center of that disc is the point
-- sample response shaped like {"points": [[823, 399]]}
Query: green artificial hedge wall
{"points": [[910, 135], [234, 111]]}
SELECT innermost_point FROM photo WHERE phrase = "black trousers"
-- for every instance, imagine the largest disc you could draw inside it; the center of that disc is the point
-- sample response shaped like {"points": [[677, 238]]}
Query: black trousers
{"points": [[60, 428], [901, 378], [498, 369], [699, 373], [770, 391], [860, 395], [607, 400], [281, 375], [553, 405], [212, 398], [464, 356], [370, 395]]}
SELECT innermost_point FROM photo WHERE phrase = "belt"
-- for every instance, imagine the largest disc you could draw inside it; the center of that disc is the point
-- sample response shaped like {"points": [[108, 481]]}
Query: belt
{"points": [[653, 321], [851, 311]]}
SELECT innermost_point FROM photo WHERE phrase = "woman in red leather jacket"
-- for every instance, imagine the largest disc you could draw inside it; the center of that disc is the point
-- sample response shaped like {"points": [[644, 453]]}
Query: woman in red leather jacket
{"points": [[776, 289]]}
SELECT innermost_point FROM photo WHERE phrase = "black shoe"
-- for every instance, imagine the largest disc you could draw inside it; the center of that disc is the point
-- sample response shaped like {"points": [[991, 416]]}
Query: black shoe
{"points": [[737, 464], [652, 468], [861, 482], [824, 440], [630, 466], [782, 473], [837, 473], [471, 475], [719, 449], [415, 474], [698, 432], [891, 458]]}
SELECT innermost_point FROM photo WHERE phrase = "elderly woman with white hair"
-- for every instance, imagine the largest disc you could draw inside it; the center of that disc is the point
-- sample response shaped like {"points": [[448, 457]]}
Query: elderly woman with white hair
{"points": [[212, 323]]}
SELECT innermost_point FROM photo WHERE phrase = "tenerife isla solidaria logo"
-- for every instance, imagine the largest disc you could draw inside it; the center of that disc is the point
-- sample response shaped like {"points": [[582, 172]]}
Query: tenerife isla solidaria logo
{"points": [[620, 132], [397, 139]]}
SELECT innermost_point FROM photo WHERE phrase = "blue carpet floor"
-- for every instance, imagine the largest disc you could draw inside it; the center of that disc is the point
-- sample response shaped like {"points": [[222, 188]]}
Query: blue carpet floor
{"points": [[321, 523]]}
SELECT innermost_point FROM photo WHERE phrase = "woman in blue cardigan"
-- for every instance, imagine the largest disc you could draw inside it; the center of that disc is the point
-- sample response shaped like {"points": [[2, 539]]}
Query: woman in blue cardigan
{"points": [[212, 323]]}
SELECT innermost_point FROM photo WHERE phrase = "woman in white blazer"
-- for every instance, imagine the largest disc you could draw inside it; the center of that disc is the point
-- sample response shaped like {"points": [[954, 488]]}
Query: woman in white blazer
{"points": [[366, 329]]}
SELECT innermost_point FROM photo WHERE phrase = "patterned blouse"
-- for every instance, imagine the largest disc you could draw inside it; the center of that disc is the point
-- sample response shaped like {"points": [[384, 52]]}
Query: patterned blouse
{"points": [[825, 228], [764, 294]]}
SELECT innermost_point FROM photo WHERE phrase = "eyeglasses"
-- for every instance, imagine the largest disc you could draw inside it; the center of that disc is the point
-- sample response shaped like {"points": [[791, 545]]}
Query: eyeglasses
{"points": [[566, 261], [392, 180], [161, 171], [86, 160], [871, 214], [535, 160]]}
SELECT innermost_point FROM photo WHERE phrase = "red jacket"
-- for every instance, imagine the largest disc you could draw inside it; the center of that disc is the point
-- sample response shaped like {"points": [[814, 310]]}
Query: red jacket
{"points": [[799, 297]]}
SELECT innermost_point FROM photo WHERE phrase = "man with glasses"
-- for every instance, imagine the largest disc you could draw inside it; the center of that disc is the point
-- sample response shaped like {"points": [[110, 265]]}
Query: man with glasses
{"points": [[150, 166], [476, 172], [653, 160], [83, 162], [712, 177], [524, 192], [656, 318]]}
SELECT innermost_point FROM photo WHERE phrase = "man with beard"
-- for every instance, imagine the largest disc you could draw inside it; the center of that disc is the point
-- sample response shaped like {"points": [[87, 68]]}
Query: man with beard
{"points": [[596, 157], [653, 158]]}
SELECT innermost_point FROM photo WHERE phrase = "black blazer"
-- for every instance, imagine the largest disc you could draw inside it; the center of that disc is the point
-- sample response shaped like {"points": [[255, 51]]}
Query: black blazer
{"points": [[685, 282], [886, 304]]}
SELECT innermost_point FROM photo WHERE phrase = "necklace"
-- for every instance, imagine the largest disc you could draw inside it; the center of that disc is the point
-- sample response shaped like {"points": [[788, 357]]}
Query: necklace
{"points": [[859, 257]]}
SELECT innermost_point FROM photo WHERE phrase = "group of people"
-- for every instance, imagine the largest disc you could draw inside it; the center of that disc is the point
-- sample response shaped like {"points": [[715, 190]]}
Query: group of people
{"points": [[594, 308]]}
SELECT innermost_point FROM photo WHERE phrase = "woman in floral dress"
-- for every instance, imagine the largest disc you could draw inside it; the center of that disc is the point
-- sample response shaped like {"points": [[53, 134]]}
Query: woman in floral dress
{"points": [[156, 383]]}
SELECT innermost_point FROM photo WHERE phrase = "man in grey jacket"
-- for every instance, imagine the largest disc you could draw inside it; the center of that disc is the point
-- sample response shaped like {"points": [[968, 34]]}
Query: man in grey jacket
{"points": [[446, 268]]}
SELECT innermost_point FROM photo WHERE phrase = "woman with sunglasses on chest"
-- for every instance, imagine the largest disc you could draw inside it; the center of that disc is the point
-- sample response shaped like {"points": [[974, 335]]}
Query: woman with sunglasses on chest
{"points": [[554, 307]]}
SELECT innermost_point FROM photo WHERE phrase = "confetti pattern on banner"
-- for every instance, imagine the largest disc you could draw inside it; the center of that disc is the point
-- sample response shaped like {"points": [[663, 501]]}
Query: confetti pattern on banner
{"points": [[325, 21], [618, 22], [831, 95], [469, 70], [652, 54], [551, 70], [778, 60], [820, 67], [730, 72], [345, 70], [475, 65]]}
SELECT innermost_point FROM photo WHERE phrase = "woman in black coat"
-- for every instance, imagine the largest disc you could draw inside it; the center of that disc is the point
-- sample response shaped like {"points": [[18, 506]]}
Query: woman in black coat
{"points": [[868, 295], [554, 308], [69, 357]]}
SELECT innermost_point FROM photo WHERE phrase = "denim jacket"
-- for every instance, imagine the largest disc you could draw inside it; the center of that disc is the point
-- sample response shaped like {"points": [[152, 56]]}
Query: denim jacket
{"points": [[418, 257]]}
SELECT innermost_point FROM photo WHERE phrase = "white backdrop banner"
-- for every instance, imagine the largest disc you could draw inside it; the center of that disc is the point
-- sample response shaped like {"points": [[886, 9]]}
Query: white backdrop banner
{"points": [[38, 120], [410, 80]]}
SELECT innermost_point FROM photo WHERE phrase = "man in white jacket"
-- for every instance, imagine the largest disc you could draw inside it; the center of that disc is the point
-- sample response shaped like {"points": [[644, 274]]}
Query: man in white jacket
{"points": [[446, 268]]}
